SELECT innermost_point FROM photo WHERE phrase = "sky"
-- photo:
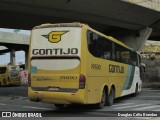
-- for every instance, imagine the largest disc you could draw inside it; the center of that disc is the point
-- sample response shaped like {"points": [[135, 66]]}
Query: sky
{"points": [[20, 55]]}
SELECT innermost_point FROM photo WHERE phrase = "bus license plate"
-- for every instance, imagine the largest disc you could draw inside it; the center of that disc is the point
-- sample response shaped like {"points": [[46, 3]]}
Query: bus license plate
{"points": [[53, 89]]}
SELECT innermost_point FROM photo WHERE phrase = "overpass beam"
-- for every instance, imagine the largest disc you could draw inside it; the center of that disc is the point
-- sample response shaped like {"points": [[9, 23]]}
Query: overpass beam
{"points": [[12, 57], [137, 40]]}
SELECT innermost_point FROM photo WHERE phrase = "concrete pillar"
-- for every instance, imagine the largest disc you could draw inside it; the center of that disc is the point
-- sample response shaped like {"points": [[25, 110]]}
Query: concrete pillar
{"points": [[137, 40], [144, 35], [26, 59], [12, 57]]}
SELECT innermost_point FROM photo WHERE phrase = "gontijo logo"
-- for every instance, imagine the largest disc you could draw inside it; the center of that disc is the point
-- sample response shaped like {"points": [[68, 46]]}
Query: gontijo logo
{"points": [[55, 36]]}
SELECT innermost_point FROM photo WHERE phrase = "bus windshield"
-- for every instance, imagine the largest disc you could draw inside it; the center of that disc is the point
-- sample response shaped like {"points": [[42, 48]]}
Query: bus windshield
{"points": [[2, 70], [55, 48]]}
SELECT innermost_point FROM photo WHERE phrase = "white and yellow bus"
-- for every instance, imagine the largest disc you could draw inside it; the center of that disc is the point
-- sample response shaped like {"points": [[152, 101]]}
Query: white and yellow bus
{"points": [[4, 75], [9, 75], [71, 63]]}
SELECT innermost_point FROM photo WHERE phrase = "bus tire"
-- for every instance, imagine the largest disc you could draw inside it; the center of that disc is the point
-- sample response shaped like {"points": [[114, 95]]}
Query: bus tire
{"points": [[59, 105], [110, 97], [136, 90], [101, 104]]}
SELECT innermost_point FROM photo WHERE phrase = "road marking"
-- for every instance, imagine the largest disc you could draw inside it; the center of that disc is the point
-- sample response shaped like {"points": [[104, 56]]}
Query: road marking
{"points": [[150, 90], [103, 114], [157, 110], [131, 106], [143, 118], [2, 104], [122, 104], [148, 107], [148, 96], [37, 108]]}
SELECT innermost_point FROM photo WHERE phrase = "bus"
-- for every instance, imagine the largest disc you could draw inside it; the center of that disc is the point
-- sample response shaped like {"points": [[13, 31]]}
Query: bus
{"points": [[4, 75], [9, 75], [71, 63]]}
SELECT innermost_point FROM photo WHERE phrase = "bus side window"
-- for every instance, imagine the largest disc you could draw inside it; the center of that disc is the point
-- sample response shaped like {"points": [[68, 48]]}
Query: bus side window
{"points": [[91, 48], [134, 59], [94, 45], [100, 46], [107, 55], [117, 57], [118, 50], [107, 49]]}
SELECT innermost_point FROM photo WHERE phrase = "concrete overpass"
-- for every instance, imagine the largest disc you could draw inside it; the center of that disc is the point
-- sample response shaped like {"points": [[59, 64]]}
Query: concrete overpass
{"points": [[130, 23], [14, 42]]}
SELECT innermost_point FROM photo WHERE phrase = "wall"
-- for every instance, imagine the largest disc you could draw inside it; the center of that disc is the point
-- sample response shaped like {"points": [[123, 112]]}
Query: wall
{"points": [[152, 74]]}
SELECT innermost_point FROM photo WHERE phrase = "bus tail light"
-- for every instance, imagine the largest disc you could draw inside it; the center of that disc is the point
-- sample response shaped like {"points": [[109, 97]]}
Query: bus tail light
{"points": [[29, 80], [82, 81]]}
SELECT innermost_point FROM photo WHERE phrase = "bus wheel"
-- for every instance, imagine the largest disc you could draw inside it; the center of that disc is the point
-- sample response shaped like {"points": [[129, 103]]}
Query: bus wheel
{"points": [[136, 90], [110, 97], [103, 101], [59, 105]]}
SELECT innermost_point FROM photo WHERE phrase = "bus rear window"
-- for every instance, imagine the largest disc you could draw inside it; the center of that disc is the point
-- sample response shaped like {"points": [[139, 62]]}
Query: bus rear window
{"points": [[2, 70], [56, 48]]}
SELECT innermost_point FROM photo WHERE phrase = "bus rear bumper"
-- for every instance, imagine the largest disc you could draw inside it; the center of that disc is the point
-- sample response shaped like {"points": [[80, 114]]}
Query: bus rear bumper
{"points": [[57, 97]]}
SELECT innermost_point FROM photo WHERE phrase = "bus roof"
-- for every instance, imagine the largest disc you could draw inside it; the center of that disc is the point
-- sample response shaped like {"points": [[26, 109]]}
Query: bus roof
{"points": [[47, 25], [78, 24]]}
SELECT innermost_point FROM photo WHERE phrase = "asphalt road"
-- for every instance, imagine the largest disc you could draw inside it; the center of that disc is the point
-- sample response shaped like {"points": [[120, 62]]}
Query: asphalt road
{"points": [[14, 98]]}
